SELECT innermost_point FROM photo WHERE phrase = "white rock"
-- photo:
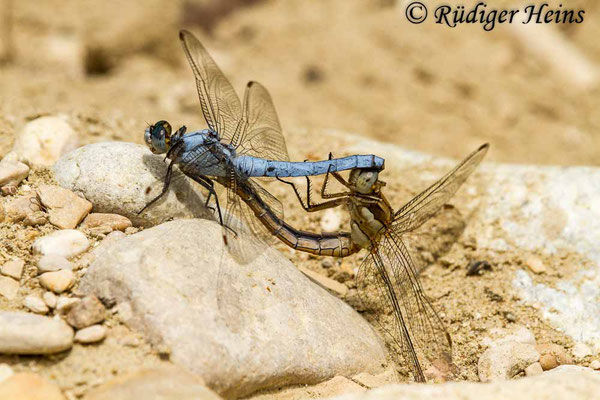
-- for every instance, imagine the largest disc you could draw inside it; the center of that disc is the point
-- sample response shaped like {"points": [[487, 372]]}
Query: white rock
{"points": [[35, 304], [12, 172], [331, 220], [64, 304], [506, 360], [58, 281], [581, 350], [595, 364], [13, 268], [231, 342], [516, 333], [67, 243], [534, 369], [5, 372], [8, 287], [53, 262], [91, 334], [121, 178], [43, 140], [26, 333], [50, 299]]}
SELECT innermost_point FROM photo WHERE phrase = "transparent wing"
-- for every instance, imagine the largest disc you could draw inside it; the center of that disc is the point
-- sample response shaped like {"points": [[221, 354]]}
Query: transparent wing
{"points": [[220, 104], [260, 132], [245, 235], [414, 213], [405, 314]]}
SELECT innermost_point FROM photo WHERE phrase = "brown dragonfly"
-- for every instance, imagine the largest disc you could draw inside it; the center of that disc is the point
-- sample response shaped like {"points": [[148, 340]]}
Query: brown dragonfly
{"points": [[415, 328]]}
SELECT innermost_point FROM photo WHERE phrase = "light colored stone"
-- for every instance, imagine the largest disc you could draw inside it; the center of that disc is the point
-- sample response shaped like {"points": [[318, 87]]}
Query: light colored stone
{"points": [[595, 364], [505, 361], [327, 283], [87, 312], [534, 369], [563, 383], [535, 265], [26, 333], [43, 140], [581, 350], [232, 324], [114, 221], [29, 386], [35, 304], [50, 299], [168, 382], [53, 262], [5, 372], [67, 243], [331, 220], [91, 334], [12, 172], [64, 304], [13, 268], [58, 281], [65, 208], [516, 333], [22, 207], [8, 287], [552, 355], [121, 178]]}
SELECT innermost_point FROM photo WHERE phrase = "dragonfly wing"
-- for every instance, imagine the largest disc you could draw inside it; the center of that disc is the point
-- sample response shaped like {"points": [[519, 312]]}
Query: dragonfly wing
{"points": [[414, 213], [220, 104], [414, 327], [245, 236], [260, 133]]}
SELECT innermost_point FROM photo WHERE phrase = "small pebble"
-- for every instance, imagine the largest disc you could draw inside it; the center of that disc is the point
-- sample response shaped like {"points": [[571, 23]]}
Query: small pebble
{"points": [[8, 287], [5, 372], [64, 304], [13, 268], [53, 262], [12, 172], [327, 263], [27, 333], [35, 304], [87, 312], [113, 221], [552, 355], [535, 264], [534, 369], [58, 281], [67, 243], [21, 207], [581, 350], [50, 299], [91, 334], [35, 218], [595, 364], [65, 208], [505, 361], [331, 220], [29, 386]]}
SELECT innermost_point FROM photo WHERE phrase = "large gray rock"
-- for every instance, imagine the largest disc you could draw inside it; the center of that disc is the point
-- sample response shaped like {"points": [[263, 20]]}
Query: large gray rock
{"points": [[241, 328], [120, 178], [563, 383]]}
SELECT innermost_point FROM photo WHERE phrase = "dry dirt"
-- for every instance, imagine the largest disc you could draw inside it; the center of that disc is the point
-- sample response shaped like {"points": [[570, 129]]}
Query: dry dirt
{"points": [[350, 65]]}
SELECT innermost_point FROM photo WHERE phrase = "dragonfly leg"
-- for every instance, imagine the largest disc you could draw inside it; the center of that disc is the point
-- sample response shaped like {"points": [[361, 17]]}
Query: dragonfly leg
{"points": [[208, 185], [309, 206], [164, 189]]}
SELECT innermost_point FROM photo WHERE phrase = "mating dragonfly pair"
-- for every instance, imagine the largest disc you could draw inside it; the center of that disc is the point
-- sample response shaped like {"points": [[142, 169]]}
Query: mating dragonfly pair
{"points": [[244, 141]]}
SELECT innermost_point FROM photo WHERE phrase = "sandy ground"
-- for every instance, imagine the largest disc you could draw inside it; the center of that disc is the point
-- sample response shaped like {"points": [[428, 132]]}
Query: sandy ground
{"points": [[350, 65]]}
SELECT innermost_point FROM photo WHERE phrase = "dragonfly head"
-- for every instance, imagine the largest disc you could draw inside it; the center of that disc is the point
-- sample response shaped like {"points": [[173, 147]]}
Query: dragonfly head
{"points": [[364, 180], [158, 137]]}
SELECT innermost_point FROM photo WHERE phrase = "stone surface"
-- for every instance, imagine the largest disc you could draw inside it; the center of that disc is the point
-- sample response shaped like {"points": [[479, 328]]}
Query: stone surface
{"points": [[535, 265], [5, 372], [53, 262], [121, 178], [66, 243], [534, 369], [23, 207], [164, 383], [595, 364], [50, 299], [8, 287], [29, 386], [91, 334], [35, 304], [516, 333], [58, 281], [563, 383], [12, 172], [13, 268], [26, 333], [331, 220], [582, 350], [43, 140], [231, 324], [545, 210], [325, 282], [65, 208], [505, 361], [88, 311], [552, 355], [64, 304], [113, 221]]}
